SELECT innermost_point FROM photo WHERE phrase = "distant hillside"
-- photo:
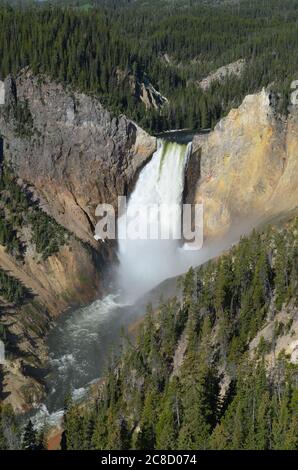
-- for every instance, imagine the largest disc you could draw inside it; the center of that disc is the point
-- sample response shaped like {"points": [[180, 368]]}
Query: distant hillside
{"points": [[86, 51]]}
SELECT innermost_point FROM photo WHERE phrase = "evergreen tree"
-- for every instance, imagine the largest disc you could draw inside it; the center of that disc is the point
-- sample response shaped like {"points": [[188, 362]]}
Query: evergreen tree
{"points": [[30, 441]]}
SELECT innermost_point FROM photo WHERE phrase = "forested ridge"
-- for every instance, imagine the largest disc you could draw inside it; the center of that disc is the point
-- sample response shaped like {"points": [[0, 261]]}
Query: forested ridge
{"points": [[174, 49], [199, 374], [220, 393]]}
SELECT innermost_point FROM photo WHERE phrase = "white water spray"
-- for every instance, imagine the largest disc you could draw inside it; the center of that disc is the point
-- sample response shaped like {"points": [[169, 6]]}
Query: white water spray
{"points": [[146, 263], [79, 345]]}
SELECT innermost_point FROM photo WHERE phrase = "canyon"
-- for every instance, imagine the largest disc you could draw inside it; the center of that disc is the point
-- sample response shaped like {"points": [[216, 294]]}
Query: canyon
{"points": [[72, 154]]}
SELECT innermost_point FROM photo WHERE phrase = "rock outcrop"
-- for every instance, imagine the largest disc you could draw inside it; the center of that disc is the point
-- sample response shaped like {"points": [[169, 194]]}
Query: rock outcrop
{"points": [[248, 166], [71, 155], [286, 321], [22, 371], [235, 69], [151, 98], [70, 277], [76, 154], [142, 89]]}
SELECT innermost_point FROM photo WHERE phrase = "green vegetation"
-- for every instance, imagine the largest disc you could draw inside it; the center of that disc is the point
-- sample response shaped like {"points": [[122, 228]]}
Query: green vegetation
{"points": [[189, 380], [174, 50], [47, 235], [8, 236], [11, 288], [31, 439], [3, 334], [9, 431], [11, 435], [23, 119], [219, 396], [17, 212], [20, 114]]}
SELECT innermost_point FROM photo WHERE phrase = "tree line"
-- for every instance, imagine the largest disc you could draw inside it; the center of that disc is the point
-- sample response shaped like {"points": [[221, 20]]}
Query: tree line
{"points": [[221, 395], [90, 48]]}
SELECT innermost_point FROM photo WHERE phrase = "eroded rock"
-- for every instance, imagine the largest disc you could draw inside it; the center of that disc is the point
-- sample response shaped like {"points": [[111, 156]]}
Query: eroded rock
{"points": [[248, 166], [78, 154]]}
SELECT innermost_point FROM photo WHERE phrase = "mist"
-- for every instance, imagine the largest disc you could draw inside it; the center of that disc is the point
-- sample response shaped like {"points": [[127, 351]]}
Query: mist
{"points": [[144, 264]]}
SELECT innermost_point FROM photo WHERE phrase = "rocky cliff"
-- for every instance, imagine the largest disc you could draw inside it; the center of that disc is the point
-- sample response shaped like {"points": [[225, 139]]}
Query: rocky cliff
{"points": [[74, 153], [142, 89], [234, 69], [68, 154], [248, 166]]}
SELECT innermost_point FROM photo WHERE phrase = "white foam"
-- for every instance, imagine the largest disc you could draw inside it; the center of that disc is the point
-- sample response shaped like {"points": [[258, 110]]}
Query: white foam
{"points": [[145, 263]]}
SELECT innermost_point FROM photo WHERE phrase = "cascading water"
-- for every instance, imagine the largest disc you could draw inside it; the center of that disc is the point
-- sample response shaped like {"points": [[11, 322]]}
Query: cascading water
{"points": [[80, 344], [146, 262]]}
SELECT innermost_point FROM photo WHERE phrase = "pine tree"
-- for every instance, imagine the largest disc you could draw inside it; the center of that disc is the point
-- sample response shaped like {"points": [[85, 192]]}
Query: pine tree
{"points": [[99, 440], [146, 436], [169, 419], [30, 441]]}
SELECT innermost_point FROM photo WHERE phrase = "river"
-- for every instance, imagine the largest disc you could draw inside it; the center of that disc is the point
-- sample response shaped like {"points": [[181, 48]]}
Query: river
{"points": [[83, 339]]}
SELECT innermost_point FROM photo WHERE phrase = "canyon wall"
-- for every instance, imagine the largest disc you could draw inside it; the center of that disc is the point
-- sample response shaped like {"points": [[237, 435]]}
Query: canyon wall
{"points": [[72, 155], [75, 153], [69, 154], [248, 166]]}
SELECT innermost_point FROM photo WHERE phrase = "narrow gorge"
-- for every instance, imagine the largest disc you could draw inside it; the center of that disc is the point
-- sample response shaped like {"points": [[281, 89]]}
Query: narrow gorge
{"points": [[67, 154]]}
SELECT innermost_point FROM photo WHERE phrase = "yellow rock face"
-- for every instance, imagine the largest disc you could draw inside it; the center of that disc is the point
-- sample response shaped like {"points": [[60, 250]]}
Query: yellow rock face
{"points": [[248, 166], [285, 195], [67, 278]]}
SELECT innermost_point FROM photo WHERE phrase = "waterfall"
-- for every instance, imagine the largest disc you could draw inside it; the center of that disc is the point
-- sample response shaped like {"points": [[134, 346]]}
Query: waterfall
{"points": [[143, 263]]}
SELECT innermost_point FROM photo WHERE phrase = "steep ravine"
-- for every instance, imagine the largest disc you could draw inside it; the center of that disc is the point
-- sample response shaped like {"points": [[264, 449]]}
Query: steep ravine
{"points": [[247, 167], [70, 155], [73, 155], [74, 152]]}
